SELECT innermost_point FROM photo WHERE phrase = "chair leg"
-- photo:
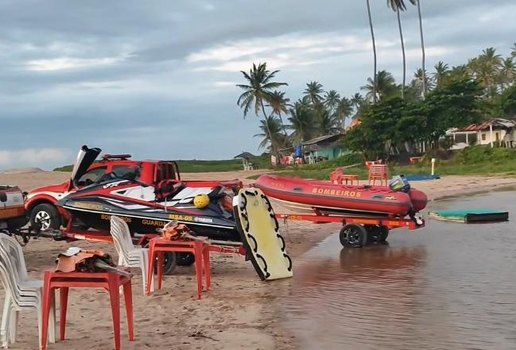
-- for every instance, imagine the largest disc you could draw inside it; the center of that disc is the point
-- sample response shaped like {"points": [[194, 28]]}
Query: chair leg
{"points": [[42, 328], [15, 315], [6, 317]]}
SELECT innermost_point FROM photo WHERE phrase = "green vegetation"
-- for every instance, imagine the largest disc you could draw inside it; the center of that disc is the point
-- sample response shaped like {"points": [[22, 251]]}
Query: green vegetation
{"points": [[477, 160], [199, 166], [65, 168]]}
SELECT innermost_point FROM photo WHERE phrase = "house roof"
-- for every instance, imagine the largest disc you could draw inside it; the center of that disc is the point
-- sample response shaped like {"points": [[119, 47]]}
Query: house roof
{"points": [[244, 155], [497, 123], [322, 139], [353, 123]]}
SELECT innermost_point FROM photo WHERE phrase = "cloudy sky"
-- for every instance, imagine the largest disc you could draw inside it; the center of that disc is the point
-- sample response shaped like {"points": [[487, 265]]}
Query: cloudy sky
{"points": [[157, 78]]}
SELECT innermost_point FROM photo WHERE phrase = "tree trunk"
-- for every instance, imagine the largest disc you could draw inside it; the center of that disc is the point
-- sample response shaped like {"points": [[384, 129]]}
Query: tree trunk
{"points": [[403, 54], [423, 58], [274, 148], [374, 49]]}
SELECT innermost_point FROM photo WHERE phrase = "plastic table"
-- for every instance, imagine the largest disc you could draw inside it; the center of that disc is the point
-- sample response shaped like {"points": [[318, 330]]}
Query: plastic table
{"points": [[110, 281]]}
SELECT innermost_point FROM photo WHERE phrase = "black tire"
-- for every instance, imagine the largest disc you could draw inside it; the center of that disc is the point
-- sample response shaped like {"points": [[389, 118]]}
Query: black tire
{"points": [[45, 216], [169, 266], [353, 236], [185, 259], [384, 233], [373, 233], [170, 263]]}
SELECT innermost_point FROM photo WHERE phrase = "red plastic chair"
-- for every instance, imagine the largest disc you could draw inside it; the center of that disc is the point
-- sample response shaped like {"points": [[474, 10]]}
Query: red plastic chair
{"points": [[338, 177], [108, 280], [378, 172], [201, 251]]}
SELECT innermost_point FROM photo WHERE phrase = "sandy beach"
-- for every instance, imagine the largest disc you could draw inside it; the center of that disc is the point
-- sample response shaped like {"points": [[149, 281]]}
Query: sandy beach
{"points": [[238, 313]]}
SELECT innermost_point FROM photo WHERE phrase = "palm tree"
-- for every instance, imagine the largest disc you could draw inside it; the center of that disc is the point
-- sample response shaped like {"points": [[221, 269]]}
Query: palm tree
{"points": [[271, 133], [313, 93], [423, 56], [507, 73], [344, 110], [279, 104], [441, 71], [459, 72], [421, 80], [385, 86], [302, 122], [513, 51], [327, 123], [258, 90], [357, 100], [331, 100], [486, 68], [399, 5], [374, 49]]}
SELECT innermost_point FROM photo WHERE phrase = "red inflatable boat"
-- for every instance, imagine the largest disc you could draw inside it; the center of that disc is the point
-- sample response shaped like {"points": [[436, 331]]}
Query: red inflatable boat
{"points": [[326, 197]]}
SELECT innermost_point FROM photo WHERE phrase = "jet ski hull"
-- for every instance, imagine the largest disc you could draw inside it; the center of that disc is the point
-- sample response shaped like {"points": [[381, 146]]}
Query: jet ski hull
{"points": [[94, 206]]}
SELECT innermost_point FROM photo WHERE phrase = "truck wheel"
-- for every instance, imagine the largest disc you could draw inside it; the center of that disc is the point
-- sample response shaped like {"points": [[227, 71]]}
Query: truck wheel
{"points": [[45, 216]]}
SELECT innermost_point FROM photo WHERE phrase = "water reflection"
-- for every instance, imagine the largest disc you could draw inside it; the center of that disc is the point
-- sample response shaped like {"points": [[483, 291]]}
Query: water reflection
{"points": [[452, 286]]}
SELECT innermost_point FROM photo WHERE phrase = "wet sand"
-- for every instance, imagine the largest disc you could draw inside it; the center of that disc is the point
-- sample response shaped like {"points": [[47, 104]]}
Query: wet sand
{"points": [[240, 312]]}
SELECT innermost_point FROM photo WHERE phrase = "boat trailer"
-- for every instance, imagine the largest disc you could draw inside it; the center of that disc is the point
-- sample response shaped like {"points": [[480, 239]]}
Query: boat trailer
{"points": [[358, 231]]}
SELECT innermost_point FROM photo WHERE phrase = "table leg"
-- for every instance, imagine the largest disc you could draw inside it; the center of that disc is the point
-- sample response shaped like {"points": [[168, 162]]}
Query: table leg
{"points": [[198, 267], [160, 261], [207, 266], [45, 312], [114, 296], [128, 296], [150, 267], [63, 302]]}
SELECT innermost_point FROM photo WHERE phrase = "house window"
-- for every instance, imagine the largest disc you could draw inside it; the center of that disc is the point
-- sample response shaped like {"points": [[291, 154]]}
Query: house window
{"points": [[483, 137]]}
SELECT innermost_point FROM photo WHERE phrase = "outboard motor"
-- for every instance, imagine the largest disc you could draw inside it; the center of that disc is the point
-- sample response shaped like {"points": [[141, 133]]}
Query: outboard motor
{"points": [[399, 183]]}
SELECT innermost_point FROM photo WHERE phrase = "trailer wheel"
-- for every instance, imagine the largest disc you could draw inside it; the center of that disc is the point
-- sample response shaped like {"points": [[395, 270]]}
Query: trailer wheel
{"points": [[373, 233], [384, 233], [169, 263], [353, 236], [185, 259]]}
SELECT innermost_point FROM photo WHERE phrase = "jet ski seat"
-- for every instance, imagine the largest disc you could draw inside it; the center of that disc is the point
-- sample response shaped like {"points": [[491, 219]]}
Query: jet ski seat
{"points": [[166, 189]]}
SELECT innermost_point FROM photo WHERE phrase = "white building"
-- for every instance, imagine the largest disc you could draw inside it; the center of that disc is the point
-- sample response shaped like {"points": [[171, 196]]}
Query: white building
{"points": [[490, 132]]}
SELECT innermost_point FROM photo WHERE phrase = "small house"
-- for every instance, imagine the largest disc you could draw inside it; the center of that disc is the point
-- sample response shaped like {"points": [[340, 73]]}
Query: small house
{"points": [[246, 160], [494, 131], [323, 148]]}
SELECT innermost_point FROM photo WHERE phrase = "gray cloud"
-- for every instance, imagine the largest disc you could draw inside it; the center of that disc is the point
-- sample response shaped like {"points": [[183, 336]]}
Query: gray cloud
{"points": [[156, 78]]}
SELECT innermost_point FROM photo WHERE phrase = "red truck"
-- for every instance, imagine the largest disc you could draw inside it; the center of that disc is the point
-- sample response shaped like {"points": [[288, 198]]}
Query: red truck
{"points": [[41, 202]]}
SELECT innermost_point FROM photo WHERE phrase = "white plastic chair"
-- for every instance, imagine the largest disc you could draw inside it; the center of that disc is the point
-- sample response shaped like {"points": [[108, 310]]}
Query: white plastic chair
{"points": [[128, 254], [21, 293]]}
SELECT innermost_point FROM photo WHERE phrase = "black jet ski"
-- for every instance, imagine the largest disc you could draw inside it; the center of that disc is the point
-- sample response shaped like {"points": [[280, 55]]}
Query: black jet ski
{"points": [[204, 206]]}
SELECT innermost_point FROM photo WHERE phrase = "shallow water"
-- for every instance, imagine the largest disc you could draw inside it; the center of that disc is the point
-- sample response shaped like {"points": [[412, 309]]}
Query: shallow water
{"points": [[446, 286]]}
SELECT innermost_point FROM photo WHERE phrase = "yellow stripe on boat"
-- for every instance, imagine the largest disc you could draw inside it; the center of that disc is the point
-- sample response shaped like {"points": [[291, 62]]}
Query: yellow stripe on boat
{"points": [[259, 230]]}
